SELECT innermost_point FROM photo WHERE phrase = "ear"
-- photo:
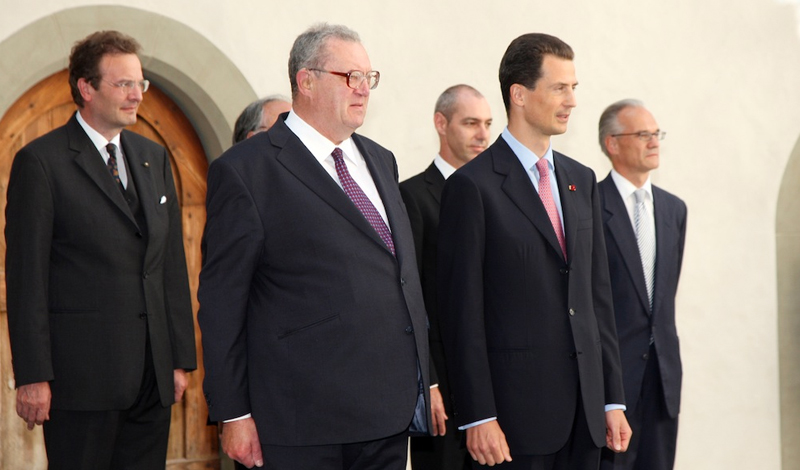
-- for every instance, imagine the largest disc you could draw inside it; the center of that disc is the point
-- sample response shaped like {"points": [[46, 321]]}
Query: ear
{"points": [[517, 94], [440, 122], [305, 81], [86, 89], [612, 146]]}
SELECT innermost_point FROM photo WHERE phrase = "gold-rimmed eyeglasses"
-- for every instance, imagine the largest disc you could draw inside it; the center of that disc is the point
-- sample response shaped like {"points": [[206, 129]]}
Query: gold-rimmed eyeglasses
{"points": [[356, 77], [644, 135], [127, 86]]}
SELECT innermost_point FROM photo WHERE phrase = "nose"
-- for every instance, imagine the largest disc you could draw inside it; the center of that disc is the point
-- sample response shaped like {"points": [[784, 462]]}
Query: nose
{"points": [[572, 99], [136, 94], [483, 132]]}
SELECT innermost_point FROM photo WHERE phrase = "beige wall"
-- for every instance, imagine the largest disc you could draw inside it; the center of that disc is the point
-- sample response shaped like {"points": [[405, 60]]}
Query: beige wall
{"points": [[722, 77]]}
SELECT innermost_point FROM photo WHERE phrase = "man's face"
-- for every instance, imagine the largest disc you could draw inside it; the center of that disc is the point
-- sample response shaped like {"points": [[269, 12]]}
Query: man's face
{"points": [[549, 104], [467, 133], [631, 156], [339, 109], [108, 109]]}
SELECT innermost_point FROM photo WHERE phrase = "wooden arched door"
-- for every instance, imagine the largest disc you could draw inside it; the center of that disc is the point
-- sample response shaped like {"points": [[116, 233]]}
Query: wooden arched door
{"points": [[44, 107]]}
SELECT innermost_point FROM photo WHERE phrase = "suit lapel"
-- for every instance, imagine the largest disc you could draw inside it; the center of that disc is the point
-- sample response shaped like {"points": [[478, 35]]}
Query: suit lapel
{"points": [[519, 188], [619, 226], [139, 170], [299, 161], [665, 240], [435, 181], [90, 160]]}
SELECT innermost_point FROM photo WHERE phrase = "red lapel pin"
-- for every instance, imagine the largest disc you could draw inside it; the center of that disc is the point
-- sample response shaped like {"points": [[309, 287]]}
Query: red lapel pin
{"points": [[572, 187]]}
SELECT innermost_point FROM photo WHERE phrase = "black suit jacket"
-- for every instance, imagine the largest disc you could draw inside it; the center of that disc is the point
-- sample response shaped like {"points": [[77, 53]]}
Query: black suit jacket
{"points": [[526, 333], [422, 195], [309, 322], [635, 322], [85, 280]]}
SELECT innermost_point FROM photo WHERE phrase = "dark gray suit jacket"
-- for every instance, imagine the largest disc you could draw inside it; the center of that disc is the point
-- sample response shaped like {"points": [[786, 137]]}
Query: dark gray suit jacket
{"points": [[309, 322], [635, 323], [526, 333], [84, 280]]}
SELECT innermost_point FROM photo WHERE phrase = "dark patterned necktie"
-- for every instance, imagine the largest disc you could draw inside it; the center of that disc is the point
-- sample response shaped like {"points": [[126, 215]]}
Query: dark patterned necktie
{"points": [[362, 202], [112, 163]]}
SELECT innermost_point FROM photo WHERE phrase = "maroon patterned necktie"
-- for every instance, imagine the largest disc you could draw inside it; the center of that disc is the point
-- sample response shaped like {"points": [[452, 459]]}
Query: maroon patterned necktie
{"points": [[549, 204], [112, 163], [362, 202]]}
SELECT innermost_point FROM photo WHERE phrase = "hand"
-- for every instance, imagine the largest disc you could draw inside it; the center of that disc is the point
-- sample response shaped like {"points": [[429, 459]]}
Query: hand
{"points": [[181, 382], [240, 441], [437, 412], [487, 444], [618, 431], [33, 403]]}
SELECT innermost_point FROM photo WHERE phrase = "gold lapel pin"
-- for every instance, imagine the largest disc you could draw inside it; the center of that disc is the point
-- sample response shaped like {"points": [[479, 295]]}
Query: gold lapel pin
{"points": [[146, 164]]}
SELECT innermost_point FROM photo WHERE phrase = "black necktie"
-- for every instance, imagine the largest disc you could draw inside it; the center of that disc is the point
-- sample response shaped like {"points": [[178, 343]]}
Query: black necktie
{"points": [[112, 163]]}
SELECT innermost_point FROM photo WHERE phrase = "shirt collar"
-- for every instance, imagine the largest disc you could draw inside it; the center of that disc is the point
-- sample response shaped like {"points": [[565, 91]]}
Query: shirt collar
{"points": [[444, 168], [626, 188], [318, 144], [525, 155], [97, 139]]}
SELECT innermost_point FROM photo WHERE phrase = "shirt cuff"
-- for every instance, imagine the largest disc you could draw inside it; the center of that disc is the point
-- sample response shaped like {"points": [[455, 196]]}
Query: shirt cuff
{"points": [[615, 406], [248, 415], [476, 423]]}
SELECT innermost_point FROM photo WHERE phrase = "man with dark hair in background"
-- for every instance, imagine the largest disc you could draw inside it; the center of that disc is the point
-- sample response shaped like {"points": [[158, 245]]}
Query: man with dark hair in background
{"points": [[99, 310]]}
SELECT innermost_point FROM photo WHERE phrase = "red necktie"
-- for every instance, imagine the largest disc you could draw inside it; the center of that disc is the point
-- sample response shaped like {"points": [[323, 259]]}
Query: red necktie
{"points": [[549, 204], [362, 202]]}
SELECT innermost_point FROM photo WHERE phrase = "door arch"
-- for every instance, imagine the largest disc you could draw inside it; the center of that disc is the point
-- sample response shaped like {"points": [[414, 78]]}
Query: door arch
{"points": [[44, 107]]}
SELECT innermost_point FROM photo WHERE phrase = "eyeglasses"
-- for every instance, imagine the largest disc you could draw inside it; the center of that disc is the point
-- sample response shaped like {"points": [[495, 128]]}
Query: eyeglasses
{"points": [[355, 77], [128, 85], [644, 135]]}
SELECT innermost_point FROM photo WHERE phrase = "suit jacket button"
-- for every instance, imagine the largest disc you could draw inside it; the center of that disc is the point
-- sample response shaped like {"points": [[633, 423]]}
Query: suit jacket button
{"points": [[573, 355], [402, 281], [572, 312], [564, 271], [645, 356], [409, 330]]}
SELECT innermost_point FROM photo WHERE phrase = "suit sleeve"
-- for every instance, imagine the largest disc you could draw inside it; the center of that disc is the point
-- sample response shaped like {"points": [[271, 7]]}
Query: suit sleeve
{"points": [[29, 230], [176, 282], [232, 245], [604, 306], [417, 232], [460, 299]]}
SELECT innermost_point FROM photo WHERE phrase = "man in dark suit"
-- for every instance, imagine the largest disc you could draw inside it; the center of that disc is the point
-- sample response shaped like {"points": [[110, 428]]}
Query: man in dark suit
{"points": [[314, 327], [462, 118], [645, 243], [99, 310], [524, 294]]}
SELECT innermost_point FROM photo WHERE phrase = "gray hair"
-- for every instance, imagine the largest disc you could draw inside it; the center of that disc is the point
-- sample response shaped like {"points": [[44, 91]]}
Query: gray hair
{"points": [[308, 50], [251, 117], [609, 122], [446, 104]]}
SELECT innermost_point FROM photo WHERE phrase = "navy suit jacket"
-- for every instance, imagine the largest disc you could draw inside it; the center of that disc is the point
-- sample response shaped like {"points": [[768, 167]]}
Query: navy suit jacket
{"points": [[635, 322], [82, 274], [526, 332], [309, 322]]}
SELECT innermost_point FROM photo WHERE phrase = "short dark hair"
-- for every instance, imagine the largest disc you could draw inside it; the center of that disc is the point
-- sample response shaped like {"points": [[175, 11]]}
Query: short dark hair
{"points": [[446, 104], [522, 62], [251, 116], [84, 60]]}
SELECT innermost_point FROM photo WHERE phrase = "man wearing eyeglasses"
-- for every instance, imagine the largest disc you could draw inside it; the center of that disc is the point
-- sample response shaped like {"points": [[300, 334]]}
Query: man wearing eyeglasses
{"points": [[523, 295], [645, 230], [99, 310], [314, 329]]}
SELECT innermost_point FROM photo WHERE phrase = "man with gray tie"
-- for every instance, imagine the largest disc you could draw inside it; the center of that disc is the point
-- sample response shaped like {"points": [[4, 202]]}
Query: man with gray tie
{"points": [[645, 229]]}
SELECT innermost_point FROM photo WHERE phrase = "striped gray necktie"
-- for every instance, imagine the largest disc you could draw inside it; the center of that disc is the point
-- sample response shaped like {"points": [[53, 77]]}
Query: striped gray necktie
{"points": [[646, 239]]}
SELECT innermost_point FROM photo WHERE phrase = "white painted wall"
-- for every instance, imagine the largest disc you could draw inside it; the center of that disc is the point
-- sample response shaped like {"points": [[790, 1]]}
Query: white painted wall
{"points": [[722, 78]]}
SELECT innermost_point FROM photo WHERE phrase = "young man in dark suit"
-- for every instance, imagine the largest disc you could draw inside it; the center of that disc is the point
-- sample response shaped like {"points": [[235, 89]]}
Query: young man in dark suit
{"points": [[314, 328], [645, 230], [524, 294], [99, 311], [462, 119]]}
